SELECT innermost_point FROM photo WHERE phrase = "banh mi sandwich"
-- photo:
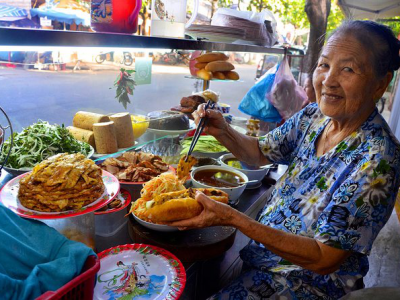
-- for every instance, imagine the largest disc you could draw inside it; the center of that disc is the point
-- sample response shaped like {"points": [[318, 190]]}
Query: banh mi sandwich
{"points": [[174, 206]]}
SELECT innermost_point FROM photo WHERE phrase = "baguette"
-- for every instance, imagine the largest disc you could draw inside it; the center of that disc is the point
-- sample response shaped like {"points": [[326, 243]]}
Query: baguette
{"points": [[209, 57], [180, 205], [231, 75], [203, 74], [200, 65], [219, 75], [219, 66]]}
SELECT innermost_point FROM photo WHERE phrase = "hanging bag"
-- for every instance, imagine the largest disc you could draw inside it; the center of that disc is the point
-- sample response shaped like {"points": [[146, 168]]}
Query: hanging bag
{"points": [[286, 95], [255, 103]]}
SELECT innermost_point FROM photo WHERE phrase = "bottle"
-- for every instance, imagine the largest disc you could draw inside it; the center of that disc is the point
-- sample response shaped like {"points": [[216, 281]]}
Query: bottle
{"points": [[120, 16], [253, 127]]}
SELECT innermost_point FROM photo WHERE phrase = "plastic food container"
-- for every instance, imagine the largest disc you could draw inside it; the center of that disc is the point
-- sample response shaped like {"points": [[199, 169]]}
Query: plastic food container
{"points": [[79, 228], [79, 288], [110, 221]]}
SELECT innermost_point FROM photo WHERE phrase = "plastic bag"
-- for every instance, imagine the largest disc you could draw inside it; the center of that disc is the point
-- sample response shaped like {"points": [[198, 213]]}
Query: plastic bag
{"points": [[286, 95], [255, 103], [260, 28]]}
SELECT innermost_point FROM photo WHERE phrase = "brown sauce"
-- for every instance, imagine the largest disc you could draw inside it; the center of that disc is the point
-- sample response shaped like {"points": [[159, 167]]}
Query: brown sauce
{"points": [[218, 178]]}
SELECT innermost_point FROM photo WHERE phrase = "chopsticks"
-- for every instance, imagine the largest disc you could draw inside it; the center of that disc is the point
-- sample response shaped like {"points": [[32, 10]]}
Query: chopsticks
{"points": [[203, 122]]}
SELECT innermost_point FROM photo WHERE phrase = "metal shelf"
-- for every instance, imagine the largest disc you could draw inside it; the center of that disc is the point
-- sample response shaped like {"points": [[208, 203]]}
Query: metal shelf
{"points": [[56, 38]]}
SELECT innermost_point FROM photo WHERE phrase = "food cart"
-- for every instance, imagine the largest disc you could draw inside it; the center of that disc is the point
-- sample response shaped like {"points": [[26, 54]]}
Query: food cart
{"points": [[209, 256]]}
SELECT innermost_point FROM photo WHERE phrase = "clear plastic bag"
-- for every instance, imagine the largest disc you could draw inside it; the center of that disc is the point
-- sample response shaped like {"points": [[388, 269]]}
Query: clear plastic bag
{"points": [[260, 28], [255, 103], [286, 95]]}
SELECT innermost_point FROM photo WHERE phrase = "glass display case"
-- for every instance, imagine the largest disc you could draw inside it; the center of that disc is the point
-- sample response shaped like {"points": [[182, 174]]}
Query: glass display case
{"points": [[51, 75]]}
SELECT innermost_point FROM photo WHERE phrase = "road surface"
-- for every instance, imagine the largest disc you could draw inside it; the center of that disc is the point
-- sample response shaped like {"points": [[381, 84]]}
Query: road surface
{"points": [[29, 95]]}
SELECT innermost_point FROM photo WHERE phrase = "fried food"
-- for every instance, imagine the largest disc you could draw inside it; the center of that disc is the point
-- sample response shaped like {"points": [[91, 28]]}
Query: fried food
{"points": [[164, 183], [61, 182], [135, 166], [174, 206], [183, 169]]}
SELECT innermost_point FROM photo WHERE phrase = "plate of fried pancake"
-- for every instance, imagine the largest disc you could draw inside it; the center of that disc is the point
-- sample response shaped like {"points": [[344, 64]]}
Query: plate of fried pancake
{"points": [[61, 186]]}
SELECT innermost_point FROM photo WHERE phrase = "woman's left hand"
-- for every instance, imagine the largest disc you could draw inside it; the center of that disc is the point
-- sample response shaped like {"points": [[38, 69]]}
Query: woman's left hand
{"points": [[214, 214]]}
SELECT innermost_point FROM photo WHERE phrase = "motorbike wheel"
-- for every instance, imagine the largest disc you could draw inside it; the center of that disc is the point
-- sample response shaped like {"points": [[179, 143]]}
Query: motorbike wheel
{"points": [[173, 60], [128, 60], [100, 58]]}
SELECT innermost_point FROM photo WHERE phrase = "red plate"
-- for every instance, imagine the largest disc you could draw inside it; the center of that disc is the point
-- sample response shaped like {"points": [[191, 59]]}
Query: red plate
{"points": [[125, 198], [146, 271], [9, 198]]}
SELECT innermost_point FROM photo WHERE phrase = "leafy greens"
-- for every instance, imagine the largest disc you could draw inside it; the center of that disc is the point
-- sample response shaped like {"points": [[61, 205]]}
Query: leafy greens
{"points": [[38, 142]]}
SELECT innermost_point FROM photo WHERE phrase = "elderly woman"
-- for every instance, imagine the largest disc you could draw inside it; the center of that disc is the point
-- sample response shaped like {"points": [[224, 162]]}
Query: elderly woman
{"points": [[312, 239]]}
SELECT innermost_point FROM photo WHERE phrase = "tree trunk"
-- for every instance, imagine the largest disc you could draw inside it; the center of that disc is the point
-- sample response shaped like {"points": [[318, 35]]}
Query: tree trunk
{"points": [[214, 7], [145, 17], [317, 12]]}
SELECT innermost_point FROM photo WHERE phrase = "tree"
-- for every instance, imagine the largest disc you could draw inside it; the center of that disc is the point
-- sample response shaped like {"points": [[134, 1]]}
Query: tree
{"points": [[144, 13], [317, 12]]}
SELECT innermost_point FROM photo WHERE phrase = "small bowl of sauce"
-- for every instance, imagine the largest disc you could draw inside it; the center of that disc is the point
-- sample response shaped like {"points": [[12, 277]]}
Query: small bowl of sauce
{"points": [[224, 178]]}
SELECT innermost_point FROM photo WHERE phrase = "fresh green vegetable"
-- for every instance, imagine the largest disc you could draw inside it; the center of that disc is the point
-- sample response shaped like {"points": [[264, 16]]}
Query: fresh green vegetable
{"points": [[125, 85], [206, 143], [38, 142]]}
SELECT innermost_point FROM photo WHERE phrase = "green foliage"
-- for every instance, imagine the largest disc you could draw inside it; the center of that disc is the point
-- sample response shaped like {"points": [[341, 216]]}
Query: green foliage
{"points": [[125, 85], [292, 11]]}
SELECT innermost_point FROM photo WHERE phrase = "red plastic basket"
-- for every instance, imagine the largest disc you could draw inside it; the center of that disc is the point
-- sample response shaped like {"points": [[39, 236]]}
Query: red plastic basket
{"points": [[79, 288]]}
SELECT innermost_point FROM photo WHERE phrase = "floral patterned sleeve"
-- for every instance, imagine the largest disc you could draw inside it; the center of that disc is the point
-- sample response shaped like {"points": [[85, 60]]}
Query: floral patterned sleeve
{"points": [[361, 204], [281, 144]]}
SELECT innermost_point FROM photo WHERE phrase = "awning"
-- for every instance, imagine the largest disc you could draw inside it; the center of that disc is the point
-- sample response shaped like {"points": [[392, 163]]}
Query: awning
{"points": [[370, 9], [11, 13], [62, 15]]}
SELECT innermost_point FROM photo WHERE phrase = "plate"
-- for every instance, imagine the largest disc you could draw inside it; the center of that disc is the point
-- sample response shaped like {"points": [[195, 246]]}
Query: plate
{"points": [[213, 37], [17, 172], [155, 227], [239, 129], [9, 198], [125, 199], [192, 126], [149, 272]]}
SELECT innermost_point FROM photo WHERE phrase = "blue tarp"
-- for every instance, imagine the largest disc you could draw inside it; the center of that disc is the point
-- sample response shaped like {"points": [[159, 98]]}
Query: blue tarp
{"points": [[62, 15], [7, 11]]}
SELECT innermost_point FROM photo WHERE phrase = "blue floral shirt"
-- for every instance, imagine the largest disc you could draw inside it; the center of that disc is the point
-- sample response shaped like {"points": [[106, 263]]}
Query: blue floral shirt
{"points": [[342, 199]]}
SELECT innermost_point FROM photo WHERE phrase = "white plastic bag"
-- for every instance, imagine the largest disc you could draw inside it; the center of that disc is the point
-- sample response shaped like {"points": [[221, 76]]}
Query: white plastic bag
{"points": [[286, 95], [260, 28]]}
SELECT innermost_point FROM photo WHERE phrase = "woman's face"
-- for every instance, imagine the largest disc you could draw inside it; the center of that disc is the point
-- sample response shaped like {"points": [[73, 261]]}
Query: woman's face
{"points": [[344, 80]]}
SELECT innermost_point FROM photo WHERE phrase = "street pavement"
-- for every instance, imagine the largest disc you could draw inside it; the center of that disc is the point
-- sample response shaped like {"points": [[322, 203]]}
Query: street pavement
{"points": [[29, 95]]}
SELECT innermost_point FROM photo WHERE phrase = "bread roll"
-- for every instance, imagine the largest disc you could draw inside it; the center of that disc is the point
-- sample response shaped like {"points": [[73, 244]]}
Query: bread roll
{"points": [[231, 75], [208, 57], [203, 74], [218, 75], [82, 135], [219, 66], [123, 129], [174, 210], [200, 65], [104, 137], [180, 205], [85, 120]]}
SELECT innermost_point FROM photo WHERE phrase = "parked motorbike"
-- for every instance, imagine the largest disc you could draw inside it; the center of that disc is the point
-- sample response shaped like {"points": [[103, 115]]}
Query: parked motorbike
{"points": [[126, 59], [173, 57]]}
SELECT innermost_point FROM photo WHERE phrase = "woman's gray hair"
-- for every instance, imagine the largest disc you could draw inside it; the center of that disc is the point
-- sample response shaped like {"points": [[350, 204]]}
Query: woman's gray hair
{"points": [[378, 39]]}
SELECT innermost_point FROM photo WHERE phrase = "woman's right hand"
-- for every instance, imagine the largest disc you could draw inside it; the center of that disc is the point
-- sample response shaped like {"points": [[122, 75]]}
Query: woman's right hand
{"points": [[216, 124], [214, 214]]}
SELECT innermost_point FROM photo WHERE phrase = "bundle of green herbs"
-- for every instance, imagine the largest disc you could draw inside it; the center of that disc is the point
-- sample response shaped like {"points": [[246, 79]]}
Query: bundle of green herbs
{"points": [[38, 142]]}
